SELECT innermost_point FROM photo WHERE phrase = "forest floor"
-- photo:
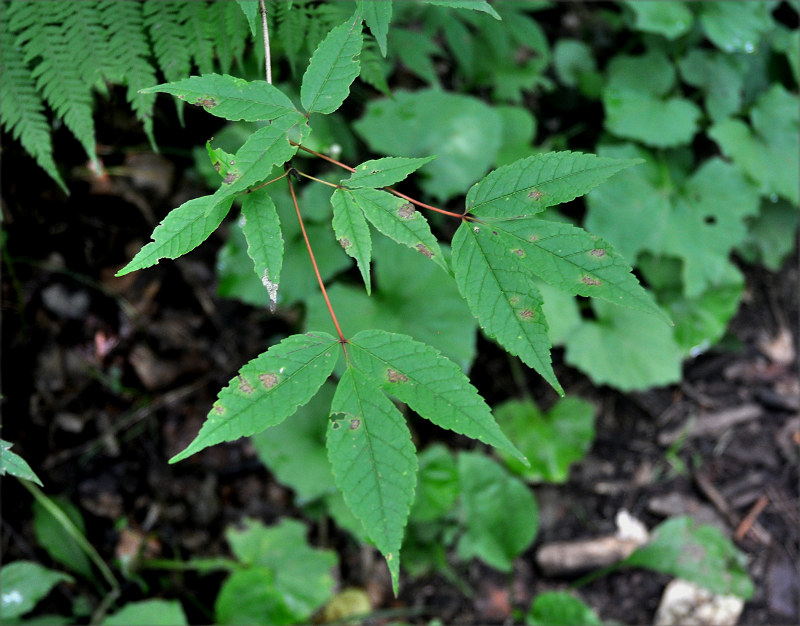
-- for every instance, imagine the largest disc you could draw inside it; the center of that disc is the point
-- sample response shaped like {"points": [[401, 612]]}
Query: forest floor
{"points": [[106, 378]]}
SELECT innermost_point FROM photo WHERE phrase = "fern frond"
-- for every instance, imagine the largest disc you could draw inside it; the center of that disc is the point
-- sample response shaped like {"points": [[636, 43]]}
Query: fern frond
{"points": [[22, 113], [127, 56], [199, 32], [232, 34], [53, 50]]}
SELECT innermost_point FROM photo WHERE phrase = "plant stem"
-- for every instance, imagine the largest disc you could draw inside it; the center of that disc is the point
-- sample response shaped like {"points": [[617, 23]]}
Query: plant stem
{"points": [[318, 180], [269, 182], [342, 340], [323, 156], [389, 189], [267, 56]]}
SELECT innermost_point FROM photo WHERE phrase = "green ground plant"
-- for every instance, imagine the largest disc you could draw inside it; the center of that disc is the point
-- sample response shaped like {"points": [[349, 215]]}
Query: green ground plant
{"points": [[506, 259]]}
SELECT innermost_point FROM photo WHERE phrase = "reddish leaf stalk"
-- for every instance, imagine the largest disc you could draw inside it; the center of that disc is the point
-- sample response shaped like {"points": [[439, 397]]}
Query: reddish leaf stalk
{"points": [[342, 340]]}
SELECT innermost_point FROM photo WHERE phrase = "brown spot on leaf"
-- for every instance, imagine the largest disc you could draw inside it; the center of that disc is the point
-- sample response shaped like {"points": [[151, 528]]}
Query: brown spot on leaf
{"points": [[396, 377], [588, 280], [519, 252], [526, 314], [533, 238], [406, 211], [206, 102], [218, 409], [535, 194], [345, 243], [598, 252], [229, 178], [268, 380], [355, 423], [216, 166], [244, 385], [424, 250]]}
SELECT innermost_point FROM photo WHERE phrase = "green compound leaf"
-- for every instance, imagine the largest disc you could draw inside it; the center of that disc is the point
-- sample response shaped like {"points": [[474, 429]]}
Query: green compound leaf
{"points": [[474, 5], [699, 553], [24, 583], [262, 229], [429, 383], [182, 230], [571, 259], [333, 68], [500, 292], [352, 231], [374, 462], [377, 15], [530, 185], [398, 220], [15, 465], [230, 97], [384, 172], [500, 514], [268, 389], [265, 148]]}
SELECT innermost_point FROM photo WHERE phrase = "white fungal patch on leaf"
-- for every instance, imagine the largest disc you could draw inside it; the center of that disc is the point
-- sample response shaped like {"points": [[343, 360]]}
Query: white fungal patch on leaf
{"points": [[272, 290]]}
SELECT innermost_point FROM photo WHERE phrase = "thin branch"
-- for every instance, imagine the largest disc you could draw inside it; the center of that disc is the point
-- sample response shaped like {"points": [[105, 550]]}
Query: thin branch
{"points": [[323, 156], [267, 55], [342, 340], [318, 180]]}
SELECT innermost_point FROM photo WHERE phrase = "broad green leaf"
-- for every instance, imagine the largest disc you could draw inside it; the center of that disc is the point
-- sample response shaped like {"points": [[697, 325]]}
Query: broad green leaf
{"points": [[265, 148], [736, 26], [406, 286], [666, 17], [499, 512], [501, 294], [262, 229], [429, 383], [300, 572], [399, 220], [268, 389], [630, 114], [624, 349], [383, 172], [560, 310], [352, 231], [23, 584], [374, 462], [652, 73], [55, 539], [377, 15], [437, 484], [772, 140], [571, 259], [12, 463], [771, 235], [560, 608], [148, 613], [707, 221], [551, 441], [572, 60], [632, 209], [699, 553], [333, 67], [230, 97], [519, 129], [720, 75], [474, 5], [181, 231], [530, 185], [464, 132], [249, 597]]}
